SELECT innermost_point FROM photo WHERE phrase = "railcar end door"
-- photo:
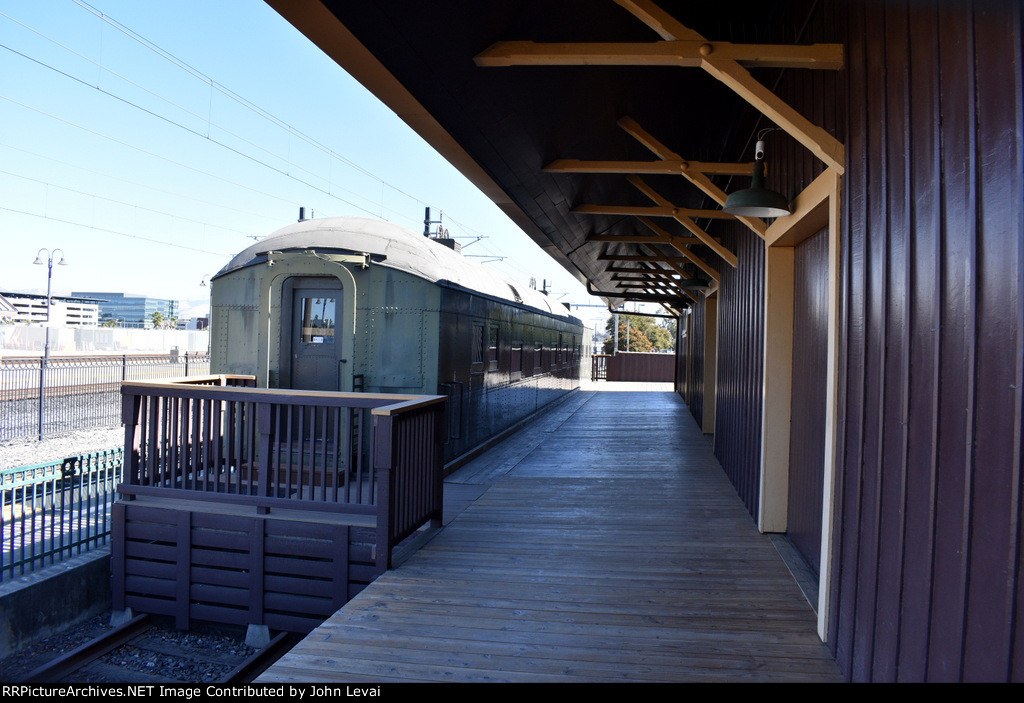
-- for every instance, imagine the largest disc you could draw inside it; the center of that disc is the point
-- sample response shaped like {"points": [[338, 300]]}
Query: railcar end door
{"points": [[314, 341]]}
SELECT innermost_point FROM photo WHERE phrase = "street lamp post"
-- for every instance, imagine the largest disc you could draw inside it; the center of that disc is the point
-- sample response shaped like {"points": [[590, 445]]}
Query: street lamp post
{"points": [[49, 283], [46, 347]]}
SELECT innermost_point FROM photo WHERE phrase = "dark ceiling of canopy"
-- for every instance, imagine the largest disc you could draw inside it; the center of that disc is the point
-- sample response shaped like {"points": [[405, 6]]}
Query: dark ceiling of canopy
{"points": [[513, 121]]}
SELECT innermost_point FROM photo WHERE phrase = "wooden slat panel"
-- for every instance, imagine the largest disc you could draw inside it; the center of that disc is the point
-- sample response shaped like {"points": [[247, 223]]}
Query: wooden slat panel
{"points": [[143, 550], [281, 583], [150, 586], [285, 565], [220, 577], [146, 567], [155, 606], [299, 604], [209, 593]]}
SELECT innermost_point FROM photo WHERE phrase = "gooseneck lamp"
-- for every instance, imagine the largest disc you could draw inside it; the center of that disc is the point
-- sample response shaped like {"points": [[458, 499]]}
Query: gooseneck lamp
{"points": [[757, 201]]}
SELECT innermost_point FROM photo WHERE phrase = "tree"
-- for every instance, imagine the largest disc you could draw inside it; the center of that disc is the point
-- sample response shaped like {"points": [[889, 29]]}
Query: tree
{"points": [[638, 333], [158, 319]]}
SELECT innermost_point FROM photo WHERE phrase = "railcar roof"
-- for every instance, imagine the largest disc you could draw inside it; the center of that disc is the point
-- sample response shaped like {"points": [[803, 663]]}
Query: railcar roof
{"points": [[403, 250]]}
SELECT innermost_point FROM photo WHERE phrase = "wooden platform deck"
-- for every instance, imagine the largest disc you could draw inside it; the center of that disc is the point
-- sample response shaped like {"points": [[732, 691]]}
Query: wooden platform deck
{"points": [[601, 543]]}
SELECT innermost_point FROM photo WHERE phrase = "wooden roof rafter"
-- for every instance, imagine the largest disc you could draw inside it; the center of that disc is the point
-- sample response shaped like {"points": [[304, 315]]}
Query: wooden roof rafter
{"points": [[722, 60], [689, 53], [693, 172], [649, 278], [672, 239], [686, 221], [663, 167], [660, 278], [642, 257], [648, 211], [653, 263], [664, 237], [612, 268], [727, 70], [678, 268], [676, 273]]}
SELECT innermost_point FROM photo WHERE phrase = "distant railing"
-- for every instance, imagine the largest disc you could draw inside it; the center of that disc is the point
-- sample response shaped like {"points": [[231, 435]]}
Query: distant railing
{"points": [[53, 511], [46, 397], [217, 438], [651, 367]]}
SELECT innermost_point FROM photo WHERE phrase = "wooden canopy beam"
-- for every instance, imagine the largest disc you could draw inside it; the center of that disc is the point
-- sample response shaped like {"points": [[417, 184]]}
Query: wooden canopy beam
{"points": [[688, 53], [668, 167], [648, 211], [672, 239], [632, 269], [640, 257]]}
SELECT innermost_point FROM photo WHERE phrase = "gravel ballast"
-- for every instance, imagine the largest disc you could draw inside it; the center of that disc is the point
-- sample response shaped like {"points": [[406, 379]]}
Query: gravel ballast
{"points": [[18, 453]]}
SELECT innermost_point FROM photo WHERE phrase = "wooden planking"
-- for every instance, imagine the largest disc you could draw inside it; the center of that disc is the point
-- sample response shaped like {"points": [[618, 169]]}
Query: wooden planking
{"points": [[595, 554]]}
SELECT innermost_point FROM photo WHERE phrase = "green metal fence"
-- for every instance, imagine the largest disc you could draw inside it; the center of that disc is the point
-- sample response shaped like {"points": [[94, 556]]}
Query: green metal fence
{"points": [[50, 512]]}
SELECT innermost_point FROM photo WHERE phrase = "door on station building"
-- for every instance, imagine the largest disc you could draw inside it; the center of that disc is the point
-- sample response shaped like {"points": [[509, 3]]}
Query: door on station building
{"points": [[807, 427], [311, 351]]}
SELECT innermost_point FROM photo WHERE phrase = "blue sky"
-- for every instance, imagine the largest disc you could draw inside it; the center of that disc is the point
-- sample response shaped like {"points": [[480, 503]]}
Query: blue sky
{"points": [[151, 140]]}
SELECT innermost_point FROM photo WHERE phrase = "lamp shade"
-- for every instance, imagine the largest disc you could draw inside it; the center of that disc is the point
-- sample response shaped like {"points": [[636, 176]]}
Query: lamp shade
{"points": [[757, 201]]}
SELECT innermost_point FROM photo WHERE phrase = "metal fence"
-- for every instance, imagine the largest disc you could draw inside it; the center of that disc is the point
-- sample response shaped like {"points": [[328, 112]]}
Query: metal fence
{"points": [[50, 512], [42, 398]]}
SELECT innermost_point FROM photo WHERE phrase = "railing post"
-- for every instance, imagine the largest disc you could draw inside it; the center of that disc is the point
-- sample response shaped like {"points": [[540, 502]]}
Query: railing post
{"points": [[437, 468], [383, 454], [42, 388], [131, 406], [265, 427]]}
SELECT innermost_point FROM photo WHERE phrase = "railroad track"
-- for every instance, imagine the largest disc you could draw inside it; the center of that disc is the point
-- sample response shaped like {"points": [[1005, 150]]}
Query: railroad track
{"points": [[104, 658]]}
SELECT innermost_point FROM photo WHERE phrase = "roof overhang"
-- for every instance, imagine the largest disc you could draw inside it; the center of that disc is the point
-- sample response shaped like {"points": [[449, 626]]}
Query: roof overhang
{"points": [[600, 127]]}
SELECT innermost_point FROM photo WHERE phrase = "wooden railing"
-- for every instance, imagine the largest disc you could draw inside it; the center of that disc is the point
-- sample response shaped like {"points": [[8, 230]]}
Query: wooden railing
{"points": [[218, 438]]}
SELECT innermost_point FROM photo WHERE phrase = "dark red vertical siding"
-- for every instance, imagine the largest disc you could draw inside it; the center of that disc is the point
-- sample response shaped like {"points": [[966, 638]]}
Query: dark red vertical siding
{"points": [[807, 426], [927, 568], [682, 357], [740, 365], [695, 367], [925, 271], [998, 63]]}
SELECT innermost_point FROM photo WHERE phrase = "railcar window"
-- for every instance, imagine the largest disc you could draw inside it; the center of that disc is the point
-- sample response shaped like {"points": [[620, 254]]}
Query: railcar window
{"points": [[492, 349], [517, 356], [318, 319], [479, 344], [539, 358]]}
